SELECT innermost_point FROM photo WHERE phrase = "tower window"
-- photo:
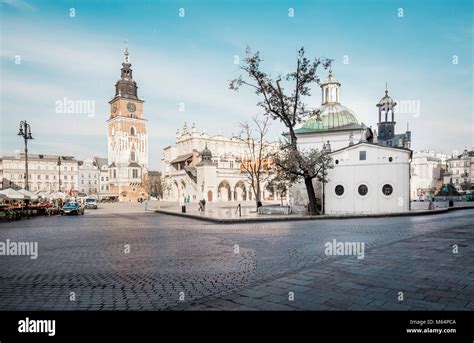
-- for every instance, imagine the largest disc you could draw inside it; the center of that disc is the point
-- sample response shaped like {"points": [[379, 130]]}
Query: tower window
{"points": [[132, 131], [362, 155], [132, 156]]}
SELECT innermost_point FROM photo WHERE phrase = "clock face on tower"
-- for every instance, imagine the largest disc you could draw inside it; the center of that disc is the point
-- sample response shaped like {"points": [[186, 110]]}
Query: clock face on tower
{"points": [[131, 107]]}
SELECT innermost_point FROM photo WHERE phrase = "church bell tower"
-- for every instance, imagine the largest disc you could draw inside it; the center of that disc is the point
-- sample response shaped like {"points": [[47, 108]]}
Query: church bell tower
{"points": [[386, 123]]}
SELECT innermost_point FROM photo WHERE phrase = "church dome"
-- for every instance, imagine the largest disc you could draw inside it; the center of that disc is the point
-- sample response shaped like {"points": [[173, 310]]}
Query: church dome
{"points": [[206, 154], [331, 116], [386, 101]]}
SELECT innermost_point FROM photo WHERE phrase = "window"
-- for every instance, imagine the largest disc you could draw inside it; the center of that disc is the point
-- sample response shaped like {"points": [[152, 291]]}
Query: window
{"points": [[363, 190], [115, 173], [339, 190], [362, 155], [132, 131], [337, 161], [132, 156], [387, 189], [134, 173], [390, 159]]}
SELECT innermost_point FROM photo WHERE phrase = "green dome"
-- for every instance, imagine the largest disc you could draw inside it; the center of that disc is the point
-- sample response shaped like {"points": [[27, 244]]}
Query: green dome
{"points": [[331, 116]]}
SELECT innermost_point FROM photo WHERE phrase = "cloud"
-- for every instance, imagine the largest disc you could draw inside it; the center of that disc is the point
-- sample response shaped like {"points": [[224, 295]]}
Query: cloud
{"points": [[18, 4]]}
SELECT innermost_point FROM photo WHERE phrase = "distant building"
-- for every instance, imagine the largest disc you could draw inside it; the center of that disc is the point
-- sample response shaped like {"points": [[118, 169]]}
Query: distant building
{"points": [[43, 172], [460, 171], [200, 166], [88, 177], [427, 170], [102, 164]]}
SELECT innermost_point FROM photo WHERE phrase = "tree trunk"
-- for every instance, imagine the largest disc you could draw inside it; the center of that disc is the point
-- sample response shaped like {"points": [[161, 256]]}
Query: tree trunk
{"points": [[312, 206], [258, 203]]}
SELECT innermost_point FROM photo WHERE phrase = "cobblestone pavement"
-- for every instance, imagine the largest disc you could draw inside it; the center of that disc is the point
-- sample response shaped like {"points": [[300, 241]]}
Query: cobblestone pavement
{"points": [[184, 264]]}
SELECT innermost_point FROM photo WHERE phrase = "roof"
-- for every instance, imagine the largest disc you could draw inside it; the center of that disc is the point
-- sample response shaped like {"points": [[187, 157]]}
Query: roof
{"points": [[182, 158], [42, 157], [330, 117], [134, 165], [372, 144], [112, 165], [101, 161]]}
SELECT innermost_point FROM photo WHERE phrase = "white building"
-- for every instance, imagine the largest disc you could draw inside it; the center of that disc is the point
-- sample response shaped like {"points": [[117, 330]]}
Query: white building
{"points": [[426, 174], [371, 171], [200, 166], [88, 175], [43, 172], [104, 190]]}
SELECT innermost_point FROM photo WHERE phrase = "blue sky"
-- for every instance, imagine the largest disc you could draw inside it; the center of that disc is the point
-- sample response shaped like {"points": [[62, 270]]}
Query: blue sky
{"points": [[190, 60]]}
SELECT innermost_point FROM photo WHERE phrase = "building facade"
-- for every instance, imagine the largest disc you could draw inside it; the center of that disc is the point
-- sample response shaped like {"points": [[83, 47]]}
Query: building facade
{"points": [[127, 139], [371, 171], [460, 171], [89, 176], [427, 170], [44, 173], [199, 166]]}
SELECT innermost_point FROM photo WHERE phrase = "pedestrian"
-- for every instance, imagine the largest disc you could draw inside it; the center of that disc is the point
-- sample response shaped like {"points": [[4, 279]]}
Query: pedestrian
{"points": [[203, 205]]}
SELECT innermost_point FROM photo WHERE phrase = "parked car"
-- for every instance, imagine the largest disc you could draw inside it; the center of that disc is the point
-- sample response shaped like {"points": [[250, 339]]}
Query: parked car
{"points": [[72, 207], [91, 203]]}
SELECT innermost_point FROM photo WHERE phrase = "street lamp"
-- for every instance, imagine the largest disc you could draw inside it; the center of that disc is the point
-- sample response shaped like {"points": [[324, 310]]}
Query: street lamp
{"points": [[59, 169], [25, 132]]}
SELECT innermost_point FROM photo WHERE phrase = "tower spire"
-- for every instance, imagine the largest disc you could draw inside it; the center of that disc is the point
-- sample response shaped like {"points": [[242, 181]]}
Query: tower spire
{"points": [[126, 52]]}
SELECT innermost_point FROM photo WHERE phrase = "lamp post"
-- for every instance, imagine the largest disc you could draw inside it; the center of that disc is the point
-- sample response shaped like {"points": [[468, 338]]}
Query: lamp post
{"points": [[59, 169], [25, 132]]}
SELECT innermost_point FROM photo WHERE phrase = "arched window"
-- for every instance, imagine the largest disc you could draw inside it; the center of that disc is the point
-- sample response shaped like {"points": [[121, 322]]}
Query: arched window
{"points": [[132, 131], [132, 156]]}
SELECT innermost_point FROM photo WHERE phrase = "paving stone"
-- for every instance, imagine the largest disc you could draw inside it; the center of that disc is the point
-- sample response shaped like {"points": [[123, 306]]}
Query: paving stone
{"points": [[170, 255]]}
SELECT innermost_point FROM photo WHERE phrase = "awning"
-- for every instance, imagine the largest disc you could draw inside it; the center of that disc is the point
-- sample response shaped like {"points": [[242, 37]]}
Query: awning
{"points": [[28, 194], [182, 158], [11, 194]]}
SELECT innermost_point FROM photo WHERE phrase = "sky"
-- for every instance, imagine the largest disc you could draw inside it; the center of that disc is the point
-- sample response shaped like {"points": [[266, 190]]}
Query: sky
{"points": [[423, 51]]}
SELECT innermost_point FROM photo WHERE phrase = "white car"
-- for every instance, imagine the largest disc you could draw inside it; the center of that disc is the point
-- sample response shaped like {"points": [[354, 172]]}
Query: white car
{"points": [[90, 203]]}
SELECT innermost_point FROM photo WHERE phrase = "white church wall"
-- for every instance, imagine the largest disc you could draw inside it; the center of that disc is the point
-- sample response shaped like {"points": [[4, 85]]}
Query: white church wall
{"points": [[374, 172]]}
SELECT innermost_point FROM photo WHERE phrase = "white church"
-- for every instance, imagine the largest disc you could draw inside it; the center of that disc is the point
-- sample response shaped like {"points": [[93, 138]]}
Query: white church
{"points": [[371, 171]]}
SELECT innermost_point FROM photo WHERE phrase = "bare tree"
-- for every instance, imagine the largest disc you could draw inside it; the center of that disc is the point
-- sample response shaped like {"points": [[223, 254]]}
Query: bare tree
{"points": [[281, 185], [255, 161], [288, 109], [305, 165]]}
